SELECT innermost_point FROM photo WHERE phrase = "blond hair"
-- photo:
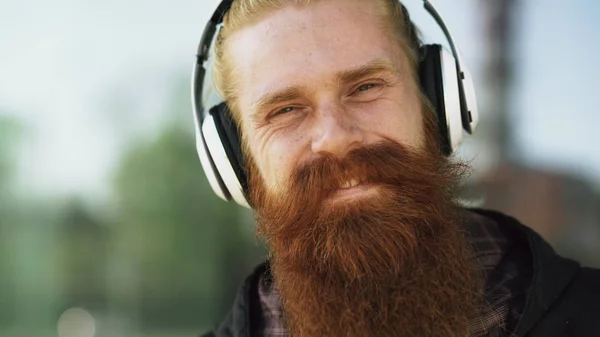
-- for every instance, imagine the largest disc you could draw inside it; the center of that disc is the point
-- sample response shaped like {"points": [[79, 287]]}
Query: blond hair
{"points": [[244, 13]]}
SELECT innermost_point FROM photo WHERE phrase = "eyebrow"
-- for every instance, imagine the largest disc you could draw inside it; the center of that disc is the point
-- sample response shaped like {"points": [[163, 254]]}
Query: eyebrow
{"points": [[342, 77], [287, 94], [373, 67]]}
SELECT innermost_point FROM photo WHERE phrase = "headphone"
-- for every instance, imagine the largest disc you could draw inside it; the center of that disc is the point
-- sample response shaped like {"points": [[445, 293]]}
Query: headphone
{"points": [[444, 80]]}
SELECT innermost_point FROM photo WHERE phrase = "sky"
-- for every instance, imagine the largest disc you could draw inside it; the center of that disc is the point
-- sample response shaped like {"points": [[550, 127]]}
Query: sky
{"points": [[87, 77]]}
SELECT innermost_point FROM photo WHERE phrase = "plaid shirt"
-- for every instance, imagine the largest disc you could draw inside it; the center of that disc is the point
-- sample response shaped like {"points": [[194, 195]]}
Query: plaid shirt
{"points": [[507, 278]]}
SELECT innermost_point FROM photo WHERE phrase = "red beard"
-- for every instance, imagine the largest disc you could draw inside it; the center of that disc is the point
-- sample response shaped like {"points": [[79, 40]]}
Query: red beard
{"points": [[392, 262]]}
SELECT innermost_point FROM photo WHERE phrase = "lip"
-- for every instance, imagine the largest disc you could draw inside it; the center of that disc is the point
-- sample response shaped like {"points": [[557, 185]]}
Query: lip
{"points": [[354, 192]]}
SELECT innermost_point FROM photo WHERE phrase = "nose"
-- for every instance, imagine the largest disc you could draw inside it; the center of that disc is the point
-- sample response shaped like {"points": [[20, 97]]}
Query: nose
{"points": [[335, 131]]}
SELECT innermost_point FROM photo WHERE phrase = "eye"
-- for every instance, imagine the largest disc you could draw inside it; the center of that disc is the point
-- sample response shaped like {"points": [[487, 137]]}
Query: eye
{"points": [[286, 109], [283, 111], [366, 87]]}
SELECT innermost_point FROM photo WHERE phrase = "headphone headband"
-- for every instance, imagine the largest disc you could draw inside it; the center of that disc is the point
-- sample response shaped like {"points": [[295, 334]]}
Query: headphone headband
{"points": [[211, 27]]}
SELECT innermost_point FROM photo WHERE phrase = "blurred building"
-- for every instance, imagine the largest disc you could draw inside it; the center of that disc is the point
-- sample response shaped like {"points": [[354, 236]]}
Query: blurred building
{"points": [[562, 207]]}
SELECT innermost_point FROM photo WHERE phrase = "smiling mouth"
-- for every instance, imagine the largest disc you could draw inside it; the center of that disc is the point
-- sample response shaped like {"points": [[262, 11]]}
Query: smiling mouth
{"points": [[349, 183], [353, 189]]}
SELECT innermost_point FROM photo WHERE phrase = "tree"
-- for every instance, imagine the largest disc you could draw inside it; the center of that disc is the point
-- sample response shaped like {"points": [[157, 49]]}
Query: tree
{"points": [[190, 248], [10, 131]]}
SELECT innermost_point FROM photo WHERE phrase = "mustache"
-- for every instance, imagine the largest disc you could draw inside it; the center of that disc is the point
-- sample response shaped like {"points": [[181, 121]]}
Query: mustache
{"points": [[383, 163]]}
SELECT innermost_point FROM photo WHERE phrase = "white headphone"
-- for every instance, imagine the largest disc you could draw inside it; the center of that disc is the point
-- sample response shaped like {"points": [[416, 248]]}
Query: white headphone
{"points": [[444, 79]]}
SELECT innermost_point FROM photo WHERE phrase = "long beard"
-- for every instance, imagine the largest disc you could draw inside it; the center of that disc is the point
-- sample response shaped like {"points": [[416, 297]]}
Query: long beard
{"points": [[390, 263]]}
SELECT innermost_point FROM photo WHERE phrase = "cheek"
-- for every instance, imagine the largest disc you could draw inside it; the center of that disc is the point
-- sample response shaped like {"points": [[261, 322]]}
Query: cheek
{"points": [[276, 160], [393, 119]]}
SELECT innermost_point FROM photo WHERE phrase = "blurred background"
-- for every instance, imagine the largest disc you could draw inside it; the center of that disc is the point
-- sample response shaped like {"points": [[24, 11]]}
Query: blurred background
{"points": [[108, 226]]}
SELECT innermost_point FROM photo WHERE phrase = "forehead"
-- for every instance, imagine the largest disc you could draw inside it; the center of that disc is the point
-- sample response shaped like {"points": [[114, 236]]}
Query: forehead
{"points": [[303, 46]]}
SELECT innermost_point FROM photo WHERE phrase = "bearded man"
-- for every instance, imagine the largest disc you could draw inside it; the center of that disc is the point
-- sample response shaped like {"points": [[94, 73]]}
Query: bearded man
{"points": [[344, 160]]}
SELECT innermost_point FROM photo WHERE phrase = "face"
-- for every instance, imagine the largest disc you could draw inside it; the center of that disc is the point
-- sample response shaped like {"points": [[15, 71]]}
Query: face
{"points": [[321, 80]]}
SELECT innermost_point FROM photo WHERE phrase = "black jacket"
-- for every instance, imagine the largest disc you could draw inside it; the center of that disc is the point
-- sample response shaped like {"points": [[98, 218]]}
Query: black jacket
{"points": [[563, 301]]}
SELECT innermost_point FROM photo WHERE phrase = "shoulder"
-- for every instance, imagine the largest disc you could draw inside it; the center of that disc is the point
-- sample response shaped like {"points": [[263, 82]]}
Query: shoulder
{"points": [[577, 310], [586, 289], [563, 297]]}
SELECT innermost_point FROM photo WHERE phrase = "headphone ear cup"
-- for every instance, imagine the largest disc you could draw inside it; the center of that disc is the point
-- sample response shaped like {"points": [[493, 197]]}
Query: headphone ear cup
{"points": [[229, 134], [440, 83], [208, 164], [210, 169], [222, 141], [432, 85]]}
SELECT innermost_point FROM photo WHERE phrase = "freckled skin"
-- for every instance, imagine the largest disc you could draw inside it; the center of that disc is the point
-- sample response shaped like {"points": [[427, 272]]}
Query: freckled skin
{"points": [[307, 47]]}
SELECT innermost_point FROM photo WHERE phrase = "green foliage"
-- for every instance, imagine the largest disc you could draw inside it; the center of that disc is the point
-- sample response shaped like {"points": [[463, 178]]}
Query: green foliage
{"points": [[191, 248], [10, 131], [166, 255], [81, 254]]}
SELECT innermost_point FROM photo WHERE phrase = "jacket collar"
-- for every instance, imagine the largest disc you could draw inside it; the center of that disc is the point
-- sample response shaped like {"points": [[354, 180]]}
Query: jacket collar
{"points": [[238, 322], [551, 272]]}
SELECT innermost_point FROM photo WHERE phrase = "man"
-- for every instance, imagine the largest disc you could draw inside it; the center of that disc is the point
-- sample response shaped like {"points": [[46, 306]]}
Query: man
{"points": [[354, 195]]}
